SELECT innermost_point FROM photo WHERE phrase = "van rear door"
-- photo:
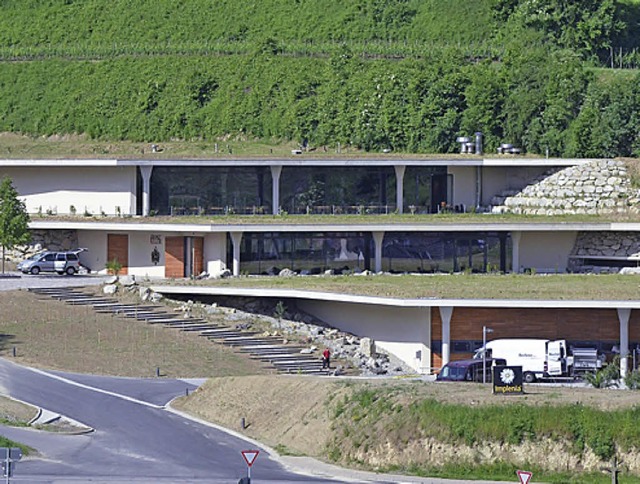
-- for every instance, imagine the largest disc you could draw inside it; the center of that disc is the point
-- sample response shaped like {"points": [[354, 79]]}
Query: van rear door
{"points": [[556, 358]]}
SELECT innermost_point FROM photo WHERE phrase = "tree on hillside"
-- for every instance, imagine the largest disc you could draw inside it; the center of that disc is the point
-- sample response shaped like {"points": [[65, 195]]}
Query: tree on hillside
{"points": [[14, 219]]}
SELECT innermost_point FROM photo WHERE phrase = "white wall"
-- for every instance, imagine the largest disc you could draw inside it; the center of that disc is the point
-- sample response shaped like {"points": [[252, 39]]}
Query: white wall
{"points": [[546, 251], [215, 252], [95, 189], [401, 331], [141, 245], [96, 257], [464, 185], [496, 179]]}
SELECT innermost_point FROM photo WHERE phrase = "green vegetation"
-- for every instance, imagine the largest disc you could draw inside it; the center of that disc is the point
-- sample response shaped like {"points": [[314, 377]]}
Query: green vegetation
{"points": [[405, 75], [14, 219], [460, 286], [371, 418]]}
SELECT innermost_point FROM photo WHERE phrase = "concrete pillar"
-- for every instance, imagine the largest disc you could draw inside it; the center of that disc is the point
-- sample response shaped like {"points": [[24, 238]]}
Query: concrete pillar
{"points": [[145, 171], [623, 316], [400, 169], [276, 170], [515, 251], [478, 188], [378, 237], [445, 315], [236, 239]]}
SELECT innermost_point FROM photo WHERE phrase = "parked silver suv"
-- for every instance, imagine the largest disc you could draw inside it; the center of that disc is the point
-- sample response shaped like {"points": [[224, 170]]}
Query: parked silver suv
{"points": [[66, 262]]}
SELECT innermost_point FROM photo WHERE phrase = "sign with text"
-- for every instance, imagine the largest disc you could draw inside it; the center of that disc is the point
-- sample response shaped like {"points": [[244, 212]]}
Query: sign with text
{"points": [[507, 380]]}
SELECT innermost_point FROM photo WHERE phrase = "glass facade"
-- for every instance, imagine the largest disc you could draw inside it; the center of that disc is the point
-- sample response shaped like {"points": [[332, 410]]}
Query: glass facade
{"points": [[431, 252], [192, 190]]}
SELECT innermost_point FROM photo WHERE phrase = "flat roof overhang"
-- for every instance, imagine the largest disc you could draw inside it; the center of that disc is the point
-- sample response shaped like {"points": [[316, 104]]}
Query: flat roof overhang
{"points": [[404, 303], [132, 226], [302, 160]]}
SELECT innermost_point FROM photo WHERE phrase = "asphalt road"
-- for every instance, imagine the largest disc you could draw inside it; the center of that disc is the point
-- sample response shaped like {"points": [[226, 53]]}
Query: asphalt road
{"points": [[135, 439], [16, 280]]}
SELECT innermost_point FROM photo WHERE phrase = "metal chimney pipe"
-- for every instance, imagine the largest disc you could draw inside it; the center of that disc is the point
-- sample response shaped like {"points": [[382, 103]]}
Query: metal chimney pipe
{"points": [[478, 143]]}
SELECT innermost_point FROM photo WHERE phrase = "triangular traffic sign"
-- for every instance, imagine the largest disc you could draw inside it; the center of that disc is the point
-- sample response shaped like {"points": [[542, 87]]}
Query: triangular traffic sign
{"points": [[524, 476], [250, 456]]}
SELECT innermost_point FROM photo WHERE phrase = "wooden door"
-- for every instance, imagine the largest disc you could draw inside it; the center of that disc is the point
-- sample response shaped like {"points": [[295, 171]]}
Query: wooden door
{"points": [[198, 255], [174, 257], [118, 249]]}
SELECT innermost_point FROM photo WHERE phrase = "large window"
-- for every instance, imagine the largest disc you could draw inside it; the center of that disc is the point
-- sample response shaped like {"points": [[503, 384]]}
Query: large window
{"points": [[416, 252], [193, 190]]}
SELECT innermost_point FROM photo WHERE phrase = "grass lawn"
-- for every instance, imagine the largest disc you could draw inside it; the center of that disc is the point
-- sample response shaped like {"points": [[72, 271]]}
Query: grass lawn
{"points": [[452, 286], [349, 220]]}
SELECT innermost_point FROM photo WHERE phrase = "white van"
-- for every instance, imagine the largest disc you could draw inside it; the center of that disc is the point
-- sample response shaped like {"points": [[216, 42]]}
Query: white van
{"points": [[539, 358]]}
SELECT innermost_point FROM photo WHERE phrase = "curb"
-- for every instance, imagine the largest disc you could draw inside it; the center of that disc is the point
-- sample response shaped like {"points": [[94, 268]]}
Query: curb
{"points": [[46, 417]]}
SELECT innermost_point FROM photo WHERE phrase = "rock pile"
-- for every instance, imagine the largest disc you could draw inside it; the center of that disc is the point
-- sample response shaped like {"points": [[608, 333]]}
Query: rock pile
{"points": [[360, 353], [597, 187]]}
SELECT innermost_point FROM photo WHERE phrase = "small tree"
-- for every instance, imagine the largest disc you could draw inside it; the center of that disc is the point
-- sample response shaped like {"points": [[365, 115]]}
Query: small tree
{"points": [[14, 219]]}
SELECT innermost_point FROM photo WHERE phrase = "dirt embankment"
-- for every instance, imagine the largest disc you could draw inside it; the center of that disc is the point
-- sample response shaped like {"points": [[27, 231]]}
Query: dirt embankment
{"points": [[294, 415], [290, 413]]}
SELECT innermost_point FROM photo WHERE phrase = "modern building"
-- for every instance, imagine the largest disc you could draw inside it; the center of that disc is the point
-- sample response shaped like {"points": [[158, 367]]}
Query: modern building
{"points": [[137, 211]]}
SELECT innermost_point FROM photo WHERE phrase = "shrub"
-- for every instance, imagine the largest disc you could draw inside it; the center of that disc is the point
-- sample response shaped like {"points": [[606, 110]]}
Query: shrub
{"points": [[113, 267]]}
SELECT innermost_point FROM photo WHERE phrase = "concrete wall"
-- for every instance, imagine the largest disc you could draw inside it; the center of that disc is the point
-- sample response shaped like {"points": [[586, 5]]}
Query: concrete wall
{"points": [[95, 189], [141, 245], [546, 251], [464, 185], [404, 332], [96, 257], [496, 179], [215, 252]]}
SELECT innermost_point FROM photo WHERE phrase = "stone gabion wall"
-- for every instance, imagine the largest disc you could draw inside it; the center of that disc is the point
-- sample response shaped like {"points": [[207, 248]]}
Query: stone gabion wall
{"points": [[603, 244], [45, 240], [598, 187]]}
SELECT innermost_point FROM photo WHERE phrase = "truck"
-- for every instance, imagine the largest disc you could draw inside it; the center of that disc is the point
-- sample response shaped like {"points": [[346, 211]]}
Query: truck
{"points": [[542, 358]]}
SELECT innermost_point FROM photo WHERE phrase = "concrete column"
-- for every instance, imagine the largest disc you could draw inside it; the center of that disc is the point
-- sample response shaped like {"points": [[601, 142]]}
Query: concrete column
{"points": [[515, 254], [276, 170], [478, 187], [400, 169], [623, 316], [236, 239], [145, 171], [445, 315], [378, 237]]}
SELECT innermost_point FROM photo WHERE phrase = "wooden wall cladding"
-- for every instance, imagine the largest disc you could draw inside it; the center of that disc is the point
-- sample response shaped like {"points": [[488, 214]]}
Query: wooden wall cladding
{"points": [[548, 323], [118, 249], [174, 257]]}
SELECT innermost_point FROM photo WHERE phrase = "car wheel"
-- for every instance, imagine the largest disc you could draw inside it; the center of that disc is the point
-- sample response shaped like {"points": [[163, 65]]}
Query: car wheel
{"points": [[35, 270], [529, 377], [60, 272], [71, 271]]}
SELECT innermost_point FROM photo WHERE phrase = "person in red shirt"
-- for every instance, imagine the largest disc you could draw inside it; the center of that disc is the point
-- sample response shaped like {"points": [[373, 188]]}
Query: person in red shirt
{"points": [[326, 359]]}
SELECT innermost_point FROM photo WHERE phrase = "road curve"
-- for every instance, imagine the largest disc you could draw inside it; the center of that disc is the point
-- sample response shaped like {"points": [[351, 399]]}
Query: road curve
{"points": [[135, 438]]}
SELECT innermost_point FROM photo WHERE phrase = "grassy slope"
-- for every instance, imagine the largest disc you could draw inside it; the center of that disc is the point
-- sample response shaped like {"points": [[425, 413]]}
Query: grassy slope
{"points": [[72, 338]]}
